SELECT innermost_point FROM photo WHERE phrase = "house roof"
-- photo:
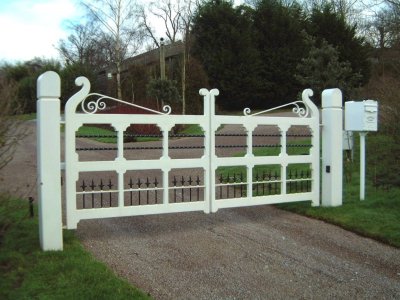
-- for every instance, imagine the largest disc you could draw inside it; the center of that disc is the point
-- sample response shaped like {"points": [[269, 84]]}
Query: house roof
{"points": [[150, 57]]}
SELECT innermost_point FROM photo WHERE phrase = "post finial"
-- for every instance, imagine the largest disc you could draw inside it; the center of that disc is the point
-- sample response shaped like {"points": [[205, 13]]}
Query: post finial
{"points": [[49, 85]]}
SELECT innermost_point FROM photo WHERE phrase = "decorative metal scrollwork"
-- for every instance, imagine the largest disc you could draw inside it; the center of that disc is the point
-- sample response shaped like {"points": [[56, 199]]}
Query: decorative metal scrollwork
{"points": [[91, 107], [167, 109], [302, 112]]}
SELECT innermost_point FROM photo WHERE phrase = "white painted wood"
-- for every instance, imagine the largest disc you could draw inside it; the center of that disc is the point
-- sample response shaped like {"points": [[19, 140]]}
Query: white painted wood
{"points": [[332, 153], [80, 110], [362, 165], [49, 161]]}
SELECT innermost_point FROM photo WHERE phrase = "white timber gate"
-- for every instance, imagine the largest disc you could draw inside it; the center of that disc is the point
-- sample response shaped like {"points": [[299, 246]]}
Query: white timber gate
{"points": [[215, 191]]}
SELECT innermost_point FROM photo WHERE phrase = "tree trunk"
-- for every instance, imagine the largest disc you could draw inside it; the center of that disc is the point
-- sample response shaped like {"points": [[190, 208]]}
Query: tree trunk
{"points": [[119, 89], [184, 82]]}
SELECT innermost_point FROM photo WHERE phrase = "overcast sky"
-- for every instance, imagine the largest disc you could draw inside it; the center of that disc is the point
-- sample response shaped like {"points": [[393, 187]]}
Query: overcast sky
{"points": [[32, 28]]}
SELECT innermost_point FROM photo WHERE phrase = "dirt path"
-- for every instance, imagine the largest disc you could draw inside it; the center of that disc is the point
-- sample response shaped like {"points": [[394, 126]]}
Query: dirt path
{"points": [[247, 253]]}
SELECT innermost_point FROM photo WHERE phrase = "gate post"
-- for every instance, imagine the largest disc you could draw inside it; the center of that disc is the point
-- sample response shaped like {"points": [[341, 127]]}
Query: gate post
{"points": [[49, 161], [332, 148]]}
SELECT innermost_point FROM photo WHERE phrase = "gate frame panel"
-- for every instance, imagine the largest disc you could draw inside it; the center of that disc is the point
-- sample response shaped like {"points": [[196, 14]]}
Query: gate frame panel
{"points": [[307, 116]]}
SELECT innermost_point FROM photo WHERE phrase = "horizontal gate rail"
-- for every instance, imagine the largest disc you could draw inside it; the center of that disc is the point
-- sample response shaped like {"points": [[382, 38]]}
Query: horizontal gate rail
{"points": [[190, 147], [186, 135]]}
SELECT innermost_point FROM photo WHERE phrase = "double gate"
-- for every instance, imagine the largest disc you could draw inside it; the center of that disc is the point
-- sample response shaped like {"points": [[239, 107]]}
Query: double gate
{"points": [[244, 160], [273, 172]]}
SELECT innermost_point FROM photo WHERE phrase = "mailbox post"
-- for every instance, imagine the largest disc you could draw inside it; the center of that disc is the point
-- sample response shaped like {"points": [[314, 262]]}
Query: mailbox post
{"points": [[361, 116]]}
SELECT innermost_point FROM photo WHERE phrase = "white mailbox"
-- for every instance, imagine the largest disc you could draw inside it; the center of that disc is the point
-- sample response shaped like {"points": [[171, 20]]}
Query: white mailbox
{"points": [[361, 115]]}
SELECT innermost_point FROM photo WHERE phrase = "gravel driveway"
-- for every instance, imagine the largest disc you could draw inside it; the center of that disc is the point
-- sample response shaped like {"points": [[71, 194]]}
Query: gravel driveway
{"points": [[245, 253]]}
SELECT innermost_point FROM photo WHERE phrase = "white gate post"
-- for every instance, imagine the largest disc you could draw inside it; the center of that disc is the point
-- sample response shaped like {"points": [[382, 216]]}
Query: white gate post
{"points": [[49, 161], [332, 149]]}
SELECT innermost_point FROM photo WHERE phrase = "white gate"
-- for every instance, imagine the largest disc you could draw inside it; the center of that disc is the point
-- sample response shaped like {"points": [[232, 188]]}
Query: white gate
{"points": [[254, 185], [80, 110]]}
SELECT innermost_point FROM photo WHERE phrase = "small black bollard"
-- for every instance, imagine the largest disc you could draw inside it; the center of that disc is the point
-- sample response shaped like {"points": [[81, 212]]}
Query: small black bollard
{"points": [[31, 212]]}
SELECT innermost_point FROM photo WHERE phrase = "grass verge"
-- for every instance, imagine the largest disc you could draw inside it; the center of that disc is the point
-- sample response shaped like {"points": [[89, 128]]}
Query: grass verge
{"points": [[378, 216], [29, 273], [192, 129], [26, 117]]}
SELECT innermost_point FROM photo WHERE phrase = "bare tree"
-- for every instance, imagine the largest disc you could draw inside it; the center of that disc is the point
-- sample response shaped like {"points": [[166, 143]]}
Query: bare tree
{"points": [[187, 18], [167, 11], [77, 47], [176, 17], [85, 45], [149, 31], [11, 131], [382, 28], [120, 29], [395, 3]]}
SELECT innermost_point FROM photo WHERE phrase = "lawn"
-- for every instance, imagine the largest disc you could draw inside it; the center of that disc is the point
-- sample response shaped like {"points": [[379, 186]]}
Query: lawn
{"points": [[107, 136], [29, 273], [378, 216]]}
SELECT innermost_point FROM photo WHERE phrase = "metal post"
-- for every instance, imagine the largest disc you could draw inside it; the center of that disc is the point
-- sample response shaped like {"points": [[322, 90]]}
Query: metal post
{"points": [[162, 59], [332, 153], [362, 165], [48, 158]]}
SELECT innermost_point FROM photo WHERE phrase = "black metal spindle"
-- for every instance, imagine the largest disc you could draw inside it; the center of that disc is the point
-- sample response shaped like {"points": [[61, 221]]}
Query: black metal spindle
{"points": [[276, 182], [234, 186], [190, 188], [110, 185], [139, 184], [130, 192], [198, 189], [92, 186], [31, 210], [263, 182], [183, 190], [269, 183], [174, 182], [227, 186], [147, 189], [155, 191], [101, 186], [257, 184], [290, 183], [301, 182], [83, 186], [221, 179], [296, 176]]}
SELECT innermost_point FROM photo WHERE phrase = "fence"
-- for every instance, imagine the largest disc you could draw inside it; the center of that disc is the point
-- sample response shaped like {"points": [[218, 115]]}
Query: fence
{"points": [[124, 185]]}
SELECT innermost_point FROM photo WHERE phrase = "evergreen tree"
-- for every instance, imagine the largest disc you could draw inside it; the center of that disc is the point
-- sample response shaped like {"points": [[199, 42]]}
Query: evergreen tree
{"points": [[280, 43], [223, 44], [164, 90], [25, 74], [325, 24], [322, 69]]}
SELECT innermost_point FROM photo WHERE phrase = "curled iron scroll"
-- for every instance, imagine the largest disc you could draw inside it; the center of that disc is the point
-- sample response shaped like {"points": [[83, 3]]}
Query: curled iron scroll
{"points": [[92, 107]]}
